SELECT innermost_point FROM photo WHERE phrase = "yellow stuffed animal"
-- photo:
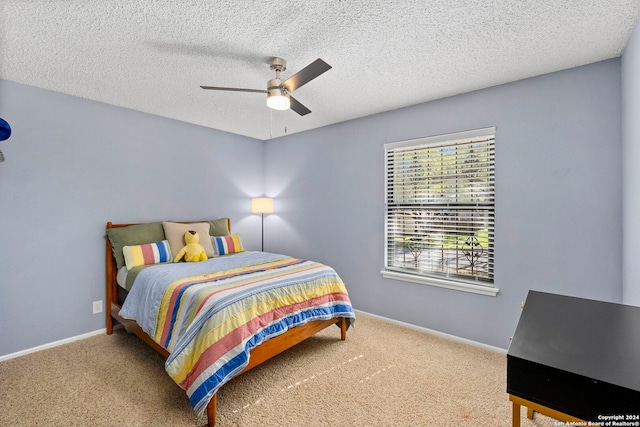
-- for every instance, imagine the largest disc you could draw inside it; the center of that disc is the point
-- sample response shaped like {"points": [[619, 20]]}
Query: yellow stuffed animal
{"points": [[193, 251]]}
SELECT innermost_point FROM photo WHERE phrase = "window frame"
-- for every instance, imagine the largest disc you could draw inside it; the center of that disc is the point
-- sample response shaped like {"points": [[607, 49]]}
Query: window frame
{"points": [[434, 279]]}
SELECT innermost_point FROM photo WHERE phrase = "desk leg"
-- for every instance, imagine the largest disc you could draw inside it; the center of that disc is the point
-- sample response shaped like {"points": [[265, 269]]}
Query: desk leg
{"points": [[515, 422], [536, 407]]}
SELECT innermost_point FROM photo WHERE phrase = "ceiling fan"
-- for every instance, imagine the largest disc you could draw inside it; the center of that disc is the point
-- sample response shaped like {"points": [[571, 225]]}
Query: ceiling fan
{"points": [[278, 91]]}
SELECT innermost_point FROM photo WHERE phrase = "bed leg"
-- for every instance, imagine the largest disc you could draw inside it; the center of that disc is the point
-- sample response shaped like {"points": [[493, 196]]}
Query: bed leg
{"points": [[343, 328], [109, 324], [211, 411]]}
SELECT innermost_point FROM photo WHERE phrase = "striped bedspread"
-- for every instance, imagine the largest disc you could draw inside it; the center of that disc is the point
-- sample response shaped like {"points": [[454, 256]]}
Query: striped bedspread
{"points": [[211, 318]]}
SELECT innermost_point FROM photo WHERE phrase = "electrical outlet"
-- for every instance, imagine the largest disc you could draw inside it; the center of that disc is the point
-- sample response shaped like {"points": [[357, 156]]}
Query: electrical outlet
{"points": [[97, 307]]}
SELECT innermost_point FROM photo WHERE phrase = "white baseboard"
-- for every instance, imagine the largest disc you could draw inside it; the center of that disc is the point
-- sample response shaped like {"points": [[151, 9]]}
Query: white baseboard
{"points": [[386, 319], [433, 332], [52, 344]]}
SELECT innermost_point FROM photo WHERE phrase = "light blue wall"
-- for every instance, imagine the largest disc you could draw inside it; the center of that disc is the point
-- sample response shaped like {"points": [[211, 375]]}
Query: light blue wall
{"points": [[74, 164], [71, 166], [631, 170], [558, 198]]}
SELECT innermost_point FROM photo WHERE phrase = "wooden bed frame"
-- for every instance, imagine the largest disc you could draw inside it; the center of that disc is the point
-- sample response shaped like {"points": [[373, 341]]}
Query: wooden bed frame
{"points": [[258, 355]]}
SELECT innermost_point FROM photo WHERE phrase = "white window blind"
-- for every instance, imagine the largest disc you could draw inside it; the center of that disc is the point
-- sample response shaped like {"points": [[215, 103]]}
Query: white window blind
{"points": [[440, 215]]}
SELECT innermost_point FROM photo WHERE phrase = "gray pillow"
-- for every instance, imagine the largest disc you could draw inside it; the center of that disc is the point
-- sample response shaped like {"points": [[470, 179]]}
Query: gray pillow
{"points": [[219, 227], [133, 235]]}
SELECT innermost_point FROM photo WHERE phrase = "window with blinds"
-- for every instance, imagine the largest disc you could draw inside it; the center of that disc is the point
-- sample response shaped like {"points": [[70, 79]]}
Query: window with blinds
{"points": [[440, 207]]}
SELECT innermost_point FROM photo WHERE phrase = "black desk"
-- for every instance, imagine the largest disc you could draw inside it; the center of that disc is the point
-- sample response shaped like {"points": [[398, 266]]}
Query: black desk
{"points": [[575, 359]]}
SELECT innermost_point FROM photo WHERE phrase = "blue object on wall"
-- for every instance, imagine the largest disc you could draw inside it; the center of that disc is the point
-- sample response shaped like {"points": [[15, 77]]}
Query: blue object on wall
{"points": [[5, 130]]}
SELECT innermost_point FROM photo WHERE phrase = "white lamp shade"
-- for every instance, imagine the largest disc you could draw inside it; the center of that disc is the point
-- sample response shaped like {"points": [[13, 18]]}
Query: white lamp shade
{"points": [[262, 205], [278, 102]]}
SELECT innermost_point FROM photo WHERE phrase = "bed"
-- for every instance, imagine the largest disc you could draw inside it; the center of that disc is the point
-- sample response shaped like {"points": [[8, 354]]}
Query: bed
{"points": [[215, 319]]}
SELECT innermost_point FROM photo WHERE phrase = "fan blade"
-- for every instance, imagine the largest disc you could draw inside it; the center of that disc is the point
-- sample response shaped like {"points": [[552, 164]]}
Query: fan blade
{"points": [[305, 75], [298, 107], [233, 89]]}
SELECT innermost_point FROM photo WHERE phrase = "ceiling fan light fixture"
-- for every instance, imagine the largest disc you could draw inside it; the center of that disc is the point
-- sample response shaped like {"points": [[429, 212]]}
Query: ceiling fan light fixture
{"points": [[279, 102], [277, 98]]}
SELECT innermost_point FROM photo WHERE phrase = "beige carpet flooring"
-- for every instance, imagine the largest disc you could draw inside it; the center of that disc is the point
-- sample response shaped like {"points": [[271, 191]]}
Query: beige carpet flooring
{"points": [[382, 375]]}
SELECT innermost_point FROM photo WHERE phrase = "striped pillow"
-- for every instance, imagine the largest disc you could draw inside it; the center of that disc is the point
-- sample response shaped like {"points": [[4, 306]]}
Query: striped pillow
{"points": [[150, 253], [224, 245]]}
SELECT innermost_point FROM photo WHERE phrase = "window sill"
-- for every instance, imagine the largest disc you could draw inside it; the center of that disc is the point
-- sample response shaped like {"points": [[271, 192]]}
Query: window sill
{"points": [[441, 283]]}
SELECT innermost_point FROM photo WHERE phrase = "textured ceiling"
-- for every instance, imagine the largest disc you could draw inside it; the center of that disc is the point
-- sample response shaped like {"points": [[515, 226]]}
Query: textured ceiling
{"points": [[153, 55]]}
